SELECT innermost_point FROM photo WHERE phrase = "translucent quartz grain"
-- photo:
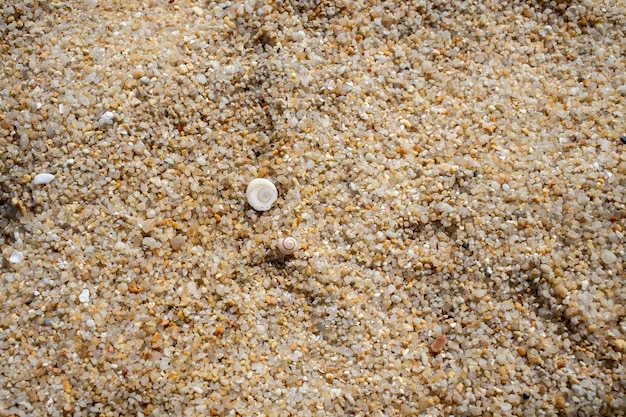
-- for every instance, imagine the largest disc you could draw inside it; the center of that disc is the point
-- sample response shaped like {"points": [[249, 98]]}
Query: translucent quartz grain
{"points": [[16, 257], [84, 296], [608, 257]]}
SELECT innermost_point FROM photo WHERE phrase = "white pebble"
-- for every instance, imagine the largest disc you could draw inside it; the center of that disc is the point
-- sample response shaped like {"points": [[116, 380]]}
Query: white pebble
{"points": [[120, 246], [42, 179], [84, 296], [16, 257], [608, 257], [106, 119]]}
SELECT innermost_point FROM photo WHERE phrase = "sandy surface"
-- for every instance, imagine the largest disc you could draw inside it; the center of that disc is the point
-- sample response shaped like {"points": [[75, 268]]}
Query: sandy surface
{"points": [[452, 171]]}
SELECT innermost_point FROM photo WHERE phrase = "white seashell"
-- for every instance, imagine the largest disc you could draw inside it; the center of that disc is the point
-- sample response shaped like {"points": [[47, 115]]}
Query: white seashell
{"points": [[42, 179], [287, 245], [261, 194]]}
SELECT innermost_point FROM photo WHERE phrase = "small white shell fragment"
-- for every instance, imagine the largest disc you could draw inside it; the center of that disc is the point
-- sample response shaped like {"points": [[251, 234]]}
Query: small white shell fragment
{"points": [[287, 245], [42, 179], [84, 296], [16, 257], [261, 194], [106, 119]]}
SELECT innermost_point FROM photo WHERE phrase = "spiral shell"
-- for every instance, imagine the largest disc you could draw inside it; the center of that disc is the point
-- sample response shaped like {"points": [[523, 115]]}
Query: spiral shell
{"points": [[287, 245], [261, 194]]}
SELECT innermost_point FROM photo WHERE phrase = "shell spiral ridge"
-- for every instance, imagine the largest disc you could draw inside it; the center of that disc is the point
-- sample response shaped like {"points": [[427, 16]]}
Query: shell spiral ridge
{"points": [[261, 194], [287, 245]]}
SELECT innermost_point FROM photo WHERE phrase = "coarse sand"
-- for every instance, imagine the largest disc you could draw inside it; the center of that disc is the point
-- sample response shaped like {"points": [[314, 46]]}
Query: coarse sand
{"points": [[454, 173]]}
